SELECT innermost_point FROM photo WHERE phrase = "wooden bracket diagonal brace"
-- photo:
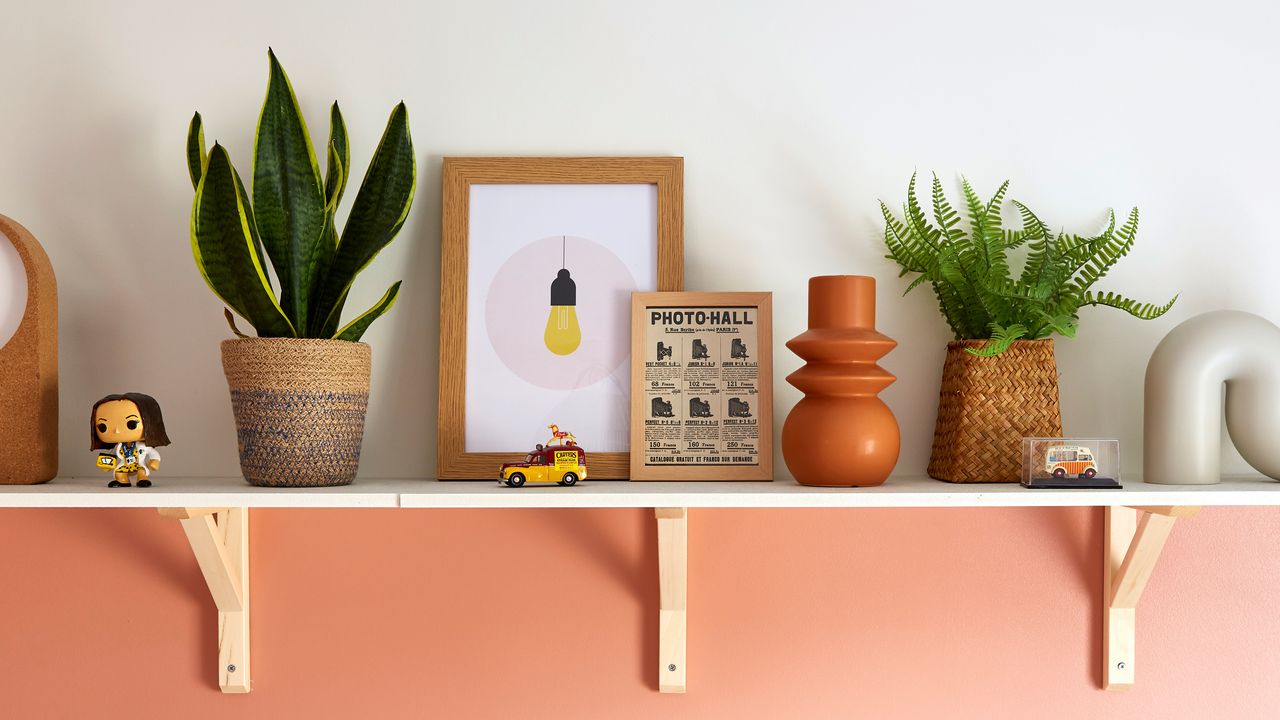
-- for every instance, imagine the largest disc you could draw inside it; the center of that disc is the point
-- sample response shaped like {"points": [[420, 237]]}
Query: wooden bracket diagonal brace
{"points": [[1133, 539], [219, 538], [673, 576]]}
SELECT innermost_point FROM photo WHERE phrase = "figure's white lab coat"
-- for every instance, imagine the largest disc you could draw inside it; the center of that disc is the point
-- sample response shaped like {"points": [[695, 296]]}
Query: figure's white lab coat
{"points": [[142, 454]]}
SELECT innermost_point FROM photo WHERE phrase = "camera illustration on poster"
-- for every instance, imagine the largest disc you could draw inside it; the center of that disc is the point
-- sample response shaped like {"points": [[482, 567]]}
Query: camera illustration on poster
{"points": [[702, 382]]}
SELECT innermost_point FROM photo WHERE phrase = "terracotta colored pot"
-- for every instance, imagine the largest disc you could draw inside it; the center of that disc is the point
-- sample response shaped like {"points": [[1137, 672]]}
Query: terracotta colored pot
{"points": [[841, 433]]}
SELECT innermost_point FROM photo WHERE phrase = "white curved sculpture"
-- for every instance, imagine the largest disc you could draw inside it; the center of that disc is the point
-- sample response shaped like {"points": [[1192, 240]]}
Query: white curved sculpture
{"points": [[1184, 408]]}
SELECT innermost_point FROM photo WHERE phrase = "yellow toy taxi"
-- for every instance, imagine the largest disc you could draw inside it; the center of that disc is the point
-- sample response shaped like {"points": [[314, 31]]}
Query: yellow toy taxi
{"points": [[564, 463]]}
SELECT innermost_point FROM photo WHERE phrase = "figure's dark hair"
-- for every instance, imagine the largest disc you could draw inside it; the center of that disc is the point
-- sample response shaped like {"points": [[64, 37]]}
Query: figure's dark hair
{"points": [[153, 433]]}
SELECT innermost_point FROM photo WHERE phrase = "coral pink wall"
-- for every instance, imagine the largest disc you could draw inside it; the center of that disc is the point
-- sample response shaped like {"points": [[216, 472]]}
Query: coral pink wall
{"points": [[551, 614]]}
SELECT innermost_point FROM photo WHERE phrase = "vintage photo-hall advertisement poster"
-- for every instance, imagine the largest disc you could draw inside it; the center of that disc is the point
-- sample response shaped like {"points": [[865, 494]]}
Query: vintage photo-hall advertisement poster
{"points": [[704, 386]]}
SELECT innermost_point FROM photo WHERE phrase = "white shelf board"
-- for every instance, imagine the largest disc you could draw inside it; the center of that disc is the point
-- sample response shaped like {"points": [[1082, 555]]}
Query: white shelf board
{"points": [[92, 492], [898, 492]]}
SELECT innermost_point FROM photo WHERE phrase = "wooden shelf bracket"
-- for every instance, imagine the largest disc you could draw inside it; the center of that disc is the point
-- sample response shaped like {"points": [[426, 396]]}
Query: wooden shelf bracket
{"points": [[219, 539], [1133, 539], [673, 577]]}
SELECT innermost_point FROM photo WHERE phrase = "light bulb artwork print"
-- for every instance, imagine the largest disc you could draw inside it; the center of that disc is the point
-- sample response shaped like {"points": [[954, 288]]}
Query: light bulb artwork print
{"points": [[563, 334], [550, 269], [559, 325]]}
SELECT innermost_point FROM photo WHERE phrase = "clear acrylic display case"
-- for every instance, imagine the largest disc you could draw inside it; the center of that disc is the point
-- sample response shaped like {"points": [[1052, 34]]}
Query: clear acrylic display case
{"points": [[1070, 463]]}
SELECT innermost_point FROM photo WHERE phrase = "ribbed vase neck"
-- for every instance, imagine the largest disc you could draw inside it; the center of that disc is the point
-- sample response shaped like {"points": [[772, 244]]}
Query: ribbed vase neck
{"points": [[842, 301], [841, 346]]}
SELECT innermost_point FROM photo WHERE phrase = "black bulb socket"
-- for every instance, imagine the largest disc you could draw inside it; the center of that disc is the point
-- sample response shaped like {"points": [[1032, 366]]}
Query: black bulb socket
{"points": [[564, 291]]}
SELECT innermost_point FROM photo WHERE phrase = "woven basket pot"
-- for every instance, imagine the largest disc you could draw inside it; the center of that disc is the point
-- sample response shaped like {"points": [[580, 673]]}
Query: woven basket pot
{"points": [[299, 408], [988, 405]]}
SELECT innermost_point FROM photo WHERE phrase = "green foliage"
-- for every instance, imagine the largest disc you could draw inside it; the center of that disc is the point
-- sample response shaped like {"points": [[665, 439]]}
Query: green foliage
{"points": [[972, 278], [292, 218]]}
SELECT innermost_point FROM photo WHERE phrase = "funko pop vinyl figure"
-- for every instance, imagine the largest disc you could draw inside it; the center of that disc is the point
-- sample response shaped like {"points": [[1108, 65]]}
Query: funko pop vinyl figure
{"points": [[130, 427]]}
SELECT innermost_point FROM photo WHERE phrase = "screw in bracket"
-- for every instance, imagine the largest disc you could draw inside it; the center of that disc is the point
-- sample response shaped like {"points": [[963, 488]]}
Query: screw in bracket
{"points": [[231, 668], [1120, 665], [671, 667]]}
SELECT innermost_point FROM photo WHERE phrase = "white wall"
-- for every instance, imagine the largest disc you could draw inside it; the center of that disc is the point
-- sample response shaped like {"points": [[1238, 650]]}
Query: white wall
{"points": [[793, 119]]}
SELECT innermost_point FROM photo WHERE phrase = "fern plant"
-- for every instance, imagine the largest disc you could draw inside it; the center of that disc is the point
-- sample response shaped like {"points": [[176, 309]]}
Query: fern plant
{"points": [[291, 219], [971, 272]]}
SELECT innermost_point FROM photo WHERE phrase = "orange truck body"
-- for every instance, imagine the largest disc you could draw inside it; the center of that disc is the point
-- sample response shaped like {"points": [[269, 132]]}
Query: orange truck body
{"points": [[1074, 467]]}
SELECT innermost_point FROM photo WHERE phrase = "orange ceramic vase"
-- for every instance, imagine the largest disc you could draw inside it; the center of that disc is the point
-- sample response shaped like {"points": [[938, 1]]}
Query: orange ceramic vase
{"points": [[841, 433]]}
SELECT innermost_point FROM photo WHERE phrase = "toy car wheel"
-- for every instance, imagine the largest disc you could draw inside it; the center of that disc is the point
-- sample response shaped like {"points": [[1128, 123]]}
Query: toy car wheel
{"points": [[1090, 472], [569, 479], [1059, 473], [516, 480]]}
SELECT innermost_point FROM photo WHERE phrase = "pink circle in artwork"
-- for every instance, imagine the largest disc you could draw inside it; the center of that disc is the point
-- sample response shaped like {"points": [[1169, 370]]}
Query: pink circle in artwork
{"points": [[519, 303]]}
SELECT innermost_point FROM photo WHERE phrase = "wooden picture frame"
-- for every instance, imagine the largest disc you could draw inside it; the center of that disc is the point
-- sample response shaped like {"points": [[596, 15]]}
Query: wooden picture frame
{"points": [[460, 176], [662, 404]]}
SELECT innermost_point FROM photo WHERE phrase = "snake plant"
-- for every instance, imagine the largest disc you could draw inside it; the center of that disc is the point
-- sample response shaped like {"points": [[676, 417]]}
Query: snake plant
{"points": [[971, 274], [290, 220]]}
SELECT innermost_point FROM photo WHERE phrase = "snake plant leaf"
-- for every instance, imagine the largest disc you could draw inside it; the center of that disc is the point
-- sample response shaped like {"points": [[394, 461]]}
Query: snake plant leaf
{"points": [[382, 203], [324, 260], [355, 329], [231, 322], [328, 243], [288, 197], [225, 246], [253, 231], [197, 158], [335, 176], [328, 247]]}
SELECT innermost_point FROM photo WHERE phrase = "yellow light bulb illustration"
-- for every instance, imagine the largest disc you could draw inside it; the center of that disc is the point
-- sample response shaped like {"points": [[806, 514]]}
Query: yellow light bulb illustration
{"points": [[563, 334]]}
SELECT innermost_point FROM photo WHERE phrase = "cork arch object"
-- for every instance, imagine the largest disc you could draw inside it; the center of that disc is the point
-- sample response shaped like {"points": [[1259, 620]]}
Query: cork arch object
{"points": [[29, 371]]}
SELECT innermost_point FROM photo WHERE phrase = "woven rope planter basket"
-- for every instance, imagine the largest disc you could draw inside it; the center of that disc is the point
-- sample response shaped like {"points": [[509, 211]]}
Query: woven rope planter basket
{"points": [[988, 405], [299, 407]]}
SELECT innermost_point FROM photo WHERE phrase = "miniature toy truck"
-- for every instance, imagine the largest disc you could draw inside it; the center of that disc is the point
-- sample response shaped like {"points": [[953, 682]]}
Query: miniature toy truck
{"points": [[1063, 460], [563, 464]]}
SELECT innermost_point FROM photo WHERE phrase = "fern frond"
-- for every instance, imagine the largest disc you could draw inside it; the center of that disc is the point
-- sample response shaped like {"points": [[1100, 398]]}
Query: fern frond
{"points": [[977, 216], [1106, 250], [1030, 220], [1142, 311], [905, 247], [972, 315], [1001, 339], [920, 280], [994, 220], [987, 232], [917, 221], [1016, 238], [1044, 249], [1063, 324], [969, 272], [952, 308], [945, 215]]}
